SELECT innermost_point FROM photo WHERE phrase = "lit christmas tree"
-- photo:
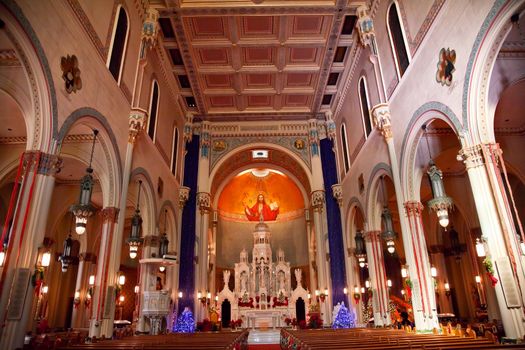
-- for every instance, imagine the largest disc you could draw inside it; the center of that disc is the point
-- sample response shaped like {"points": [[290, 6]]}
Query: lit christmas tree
{"points": [[185, 323], [344, 318]]}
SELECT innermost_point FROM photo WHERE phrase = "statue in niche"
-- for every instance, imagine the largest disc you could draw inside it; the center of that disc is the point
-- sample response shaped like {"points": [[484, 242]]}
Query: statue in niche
{"points": [[282, 282], [244, 280], [261, 211]]}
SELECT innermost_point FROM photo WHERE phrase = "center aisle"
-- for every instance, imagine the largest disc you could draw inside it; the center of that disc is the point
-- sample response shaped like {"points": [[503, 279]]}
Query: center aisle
{"points": [[264, 340]]}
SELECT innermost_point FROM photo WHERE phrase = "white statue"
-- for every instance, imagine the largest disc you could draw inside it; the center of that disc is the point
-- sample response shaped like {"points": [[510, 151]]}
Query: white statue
{"points": [[244, 279], [281, 281], [226, 277], [298, 276]]}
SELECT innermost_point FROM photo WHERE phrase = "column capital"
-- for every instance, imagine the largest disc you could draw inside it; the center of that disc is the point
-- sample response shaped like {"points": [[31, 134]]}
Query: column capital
{"points": [[413, 208], [471, 156], [151, 240], [382, 120], [330, 125], [138, 118], [188, 127], [45, 163], [337, 192], [318, 200], [109, 214], [365, 26], [205, 139], [88, 257], [184, 194], [203, 201], [150, 28], [371, 236]]}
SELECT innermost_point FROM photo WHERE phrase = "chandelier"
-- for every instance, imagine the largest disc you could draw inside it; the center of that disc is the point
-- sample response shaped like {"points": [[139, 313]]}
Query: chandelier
{"points": [[134, 239]]}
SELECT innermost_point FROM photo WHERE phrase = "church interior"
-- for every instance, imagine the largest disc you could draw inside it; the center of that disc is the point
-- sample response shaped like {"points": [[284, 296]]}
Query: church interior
{"points": [[231, 174]]}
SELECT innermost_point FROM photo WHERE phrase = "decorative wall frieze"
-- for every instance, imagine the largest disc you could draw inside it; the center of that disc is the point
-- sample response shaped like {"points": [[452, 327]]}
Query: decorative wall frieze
{"points": [[43, 163], [471, 156], [184, 195], [138, 118], [382, 120]]}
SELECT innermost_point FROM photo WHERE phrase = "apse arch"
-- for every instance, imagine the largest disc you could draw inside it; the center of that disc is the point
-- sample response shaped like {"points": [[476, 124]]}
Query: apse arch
{"points": [[110, 168], [425, 114], [476, 114], [304, 169]]}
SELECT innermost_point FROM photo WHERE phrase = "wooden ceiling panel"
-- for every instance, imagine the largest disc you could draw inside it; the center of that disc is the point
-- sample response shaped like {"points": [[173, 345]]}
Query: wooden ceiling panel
{"points": [[213, 56], [258, 26]]}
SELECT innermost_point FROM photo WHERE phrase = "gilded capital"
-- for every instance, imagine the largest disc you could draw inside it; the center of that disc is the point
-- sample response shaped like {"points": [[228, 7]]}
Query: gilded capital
{"points": [[337, 192], [382, 120], [138, 118], [365, 26], [184, 194], [372, 236], [109, 214], [150, 27], [413, 208]]}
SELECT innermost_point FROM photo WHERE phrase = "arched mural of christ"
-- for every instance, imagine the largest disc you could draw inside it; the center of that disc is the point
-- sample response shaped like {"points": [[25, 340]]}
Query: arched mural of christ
{"points": [[261, 211]]}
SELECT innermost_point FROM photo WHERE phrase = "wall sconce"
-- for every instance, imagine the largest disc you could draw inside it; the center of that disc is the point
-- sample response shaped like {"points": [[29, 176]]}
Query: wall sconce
{"points": [[162, 268], [389, 283], [45, 289], [480, 247], [345, 291], [477, 279], [46, 259], [137, 289], [89, 295], [121, 279], [367, 284], [363, 290], [2, 255], [323, 296], [433, 272], [121, 299], [180, 294], [309, 296], [201, 297], [447, 289], [208, 295], [91, 280]]}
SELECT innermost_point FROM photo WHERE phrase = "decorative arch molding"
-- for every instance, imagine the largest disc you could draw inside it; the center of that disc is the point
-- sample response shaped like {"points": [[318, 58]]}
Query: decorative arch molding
{"points": [[353, 203], [429, 111], [172, 219], [371, 191], [480, 65], [39, 77], [151, 203], [111, 153]]}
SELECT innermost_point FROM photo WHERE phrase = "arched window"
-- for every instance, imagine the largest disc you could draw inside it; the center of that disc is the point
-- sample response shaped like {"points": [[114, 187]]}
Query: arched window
{"points": [[344, 146], [365, 107], [175, 150], [153, 108], [118, 45], [397, 40]]}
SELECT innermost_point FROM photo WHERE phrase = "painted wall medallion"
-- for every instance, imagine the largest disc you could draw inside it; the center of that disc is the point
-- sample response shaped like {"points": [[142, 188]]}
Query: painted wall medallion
{"points": [[447, 60], [71, 73]]}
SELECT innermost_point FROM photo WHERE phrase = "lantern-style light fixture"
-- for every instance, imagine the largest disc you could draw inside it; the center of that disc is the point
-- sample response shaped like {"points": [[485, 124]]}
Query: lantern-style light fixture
{"points": [[447, 289], [480, 247], [388, 234], [360, 251], [440, 203], [121, 279], [135, 240], [66, 257], [46, 259], [83, 209], [164, 242]]}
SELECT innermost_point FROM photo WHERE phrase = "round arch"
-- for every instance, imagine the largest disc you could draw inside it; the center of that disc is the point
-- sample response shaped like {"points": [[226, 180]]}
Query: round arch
{"points": [[171, 221], [425, 114], [478, 118], [109, 167], [373, 211], [42, 117], [148, 208]]}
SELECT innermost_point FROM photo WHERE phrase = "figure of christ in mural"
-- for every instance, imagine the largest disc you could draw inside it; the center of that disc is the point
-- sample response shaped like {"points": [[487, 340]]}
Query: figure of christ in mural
{"points": [[261, 211]]}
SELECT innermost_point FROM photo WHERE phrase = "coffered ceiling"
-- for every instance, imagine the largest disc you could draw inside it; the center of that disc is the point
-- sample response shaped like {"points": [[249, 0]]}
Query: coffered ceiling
{"points": [[246, 60]]}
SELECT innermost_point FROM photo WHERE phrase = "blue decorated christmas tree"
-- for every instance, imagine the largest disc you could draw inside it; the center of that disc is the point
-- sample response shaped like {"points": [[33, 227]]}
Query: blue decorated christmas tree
{"points": [[344, 318], [185, 323]]}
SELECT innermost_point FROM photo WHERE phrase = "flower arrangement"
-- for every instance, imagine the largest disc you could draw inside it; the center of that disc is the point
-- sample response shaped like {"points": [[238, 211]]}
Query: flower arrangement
{"points": [[235, 323], [288, 321], [490, 271], [246, 303], [315, 321], [280, 302]]}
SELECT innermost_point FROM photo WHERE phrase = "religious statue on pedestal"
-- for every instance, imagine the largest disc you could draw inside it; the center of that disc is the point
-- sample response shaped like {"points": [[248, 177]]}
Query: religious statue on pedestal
{"points": [[261, 211]]}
